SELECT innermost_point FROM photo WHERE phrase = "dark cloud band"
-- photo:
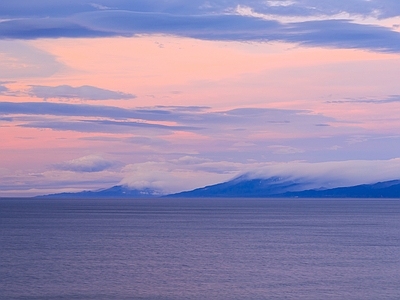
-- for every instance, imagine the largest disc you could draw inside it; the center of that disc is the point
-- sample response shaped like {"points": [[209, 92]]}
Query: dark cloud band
{"points": [[222, 26]]}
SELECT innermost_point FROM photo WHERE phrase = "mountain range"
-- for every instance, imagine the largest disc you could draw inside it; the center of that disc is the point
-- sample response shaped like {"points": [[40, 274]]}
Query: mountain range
{"points": [[245, 187]]}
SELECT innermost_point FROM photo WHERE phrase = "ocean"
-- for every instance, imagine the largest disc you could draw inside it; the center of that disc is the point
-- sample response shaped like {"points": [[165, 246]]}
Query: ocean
{"points": [[165, 249]]}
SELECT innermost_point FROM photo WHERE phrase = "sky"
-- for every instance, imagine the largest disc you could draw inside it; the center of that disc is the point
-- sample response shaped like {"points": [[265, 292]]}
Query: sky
{"points": [[174, 95]]}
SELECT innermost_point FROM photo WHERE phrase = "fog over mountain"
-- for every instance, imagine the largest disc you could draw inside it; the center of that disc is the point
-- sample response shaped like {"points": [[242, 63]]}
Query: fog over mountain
{"points": [[317, 175], [331, 174]]}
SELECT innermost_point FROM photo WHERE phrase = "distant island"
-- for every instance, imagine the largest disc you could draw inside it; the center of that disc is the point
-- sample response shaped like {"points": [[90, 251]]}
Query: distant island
{"points": [[244, 187]]}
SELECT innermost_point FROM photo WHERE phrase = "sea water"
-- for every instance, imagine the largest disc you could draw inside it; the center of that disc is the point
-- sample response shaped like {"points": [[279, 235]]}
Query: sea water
{"points": [[199, 249]]}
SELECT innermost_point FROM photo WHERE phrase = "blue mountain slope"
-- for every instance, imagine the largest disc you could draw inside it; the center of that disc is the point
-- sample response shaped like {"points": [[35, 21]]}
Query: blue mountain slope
{"points": [[118, 191], [244, 187], [387, 189], [282, 187]]}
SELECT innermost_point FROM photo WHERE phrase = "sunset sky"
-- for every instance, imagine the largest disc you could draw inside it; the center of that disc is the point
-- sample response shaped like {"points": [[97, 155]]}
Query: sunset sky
{"points": [[175, 95]]}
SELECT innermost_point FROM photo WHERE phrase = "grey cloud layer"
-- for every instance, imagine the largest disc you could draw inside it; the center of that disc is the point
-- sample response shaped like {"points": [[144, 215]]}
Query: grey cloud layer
{"points": [[209, 20], [85, 92]]}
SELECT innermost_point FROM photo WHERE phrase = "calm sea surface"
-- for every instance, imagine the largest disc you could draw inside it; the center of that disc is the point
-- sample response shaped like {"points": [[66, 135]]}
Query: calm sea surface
{"points": [[199, 249]]}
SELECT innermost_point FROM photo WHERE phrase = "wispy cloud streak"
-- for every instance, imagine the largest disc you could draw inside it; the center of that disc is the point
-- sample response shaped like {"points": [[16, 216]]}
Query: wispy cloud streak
{"points": [[390, 99]]}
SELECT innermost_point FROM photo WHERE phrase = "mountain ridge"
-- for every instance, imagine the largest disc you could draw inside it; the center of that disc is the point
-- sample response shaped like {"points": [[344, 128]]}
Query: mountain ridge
{"points": [[384, 189], [247, 187]]}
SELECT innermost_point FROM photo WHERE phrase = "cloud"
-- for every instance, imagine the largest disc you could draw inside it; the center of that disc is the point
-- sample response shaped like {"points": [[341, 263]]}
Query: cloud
{"points": [[6, 119], [65, 109], [141, 140], [389, 99], [85, 92], [245, 122], [238, 134], [190, 160], [219, 20], [175, 175], [189, 172], [21, 60], [99, 6], [65, 8], [280, 3], [183, 108], [3, 89], [105, 126], [315, 8], [46, 28], [333, 173], [185, 116], [280, 149], [89, 163], [326, 33], [342, 34], [16, 183]]}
